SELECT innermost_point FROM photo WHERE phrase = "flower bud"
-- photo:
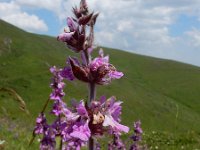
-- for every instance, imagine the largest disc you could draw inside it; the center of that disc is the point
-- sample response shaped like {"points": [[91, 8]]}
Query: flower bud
{"points": [[84, 20], [79, 72]]}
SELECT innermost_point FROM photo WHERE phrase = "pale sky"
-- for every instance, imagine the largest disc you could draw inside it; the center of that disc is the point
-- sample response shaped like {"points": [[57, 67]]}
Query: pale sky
{"points": [[160, 28]]}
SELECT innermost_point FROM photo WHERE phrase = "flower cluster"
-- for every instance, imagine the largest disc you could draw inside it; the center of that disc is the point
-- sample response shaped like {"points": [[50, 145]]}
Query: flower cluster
{"points": [[137, 136], [84, 121], [116, 143], [75, 35], [77, 124], [98, 71]]}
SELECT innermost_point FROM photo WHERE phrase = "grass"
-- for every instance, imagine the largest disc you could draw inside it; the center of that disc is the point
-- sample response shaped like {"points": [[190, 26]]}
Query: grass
{"points": [[163, 94]]}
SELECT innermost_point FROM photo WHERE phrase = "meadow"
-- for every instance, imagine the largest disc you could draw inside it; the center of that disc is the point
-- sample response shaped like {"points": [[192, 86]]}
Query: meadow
{"points": [[163, 94]]}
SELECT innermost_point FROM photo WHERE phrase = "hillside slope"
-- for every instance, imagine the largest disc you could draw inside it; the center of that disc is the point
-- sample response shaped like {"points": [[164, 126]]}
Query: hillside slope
{"points": [[163, 94]]}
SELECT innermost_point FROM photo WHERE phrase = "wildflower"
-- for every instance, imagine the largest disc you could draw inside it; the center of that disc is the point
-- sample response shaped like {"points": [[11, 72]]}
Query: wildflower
{"points": [[104, 116], [82, 122], [41, 123], [57, 84], [116, 143], [48, 142], [57, 108], [137, 136], [76, 134], [99, 71], [102, 71]]}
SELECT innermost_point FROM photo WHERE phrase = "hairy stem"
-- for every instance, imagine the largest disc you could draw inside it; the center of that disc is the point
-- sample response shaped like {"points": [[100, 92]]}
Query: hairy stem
{"points": [[92, 95], [92, 92], [91, 85]]}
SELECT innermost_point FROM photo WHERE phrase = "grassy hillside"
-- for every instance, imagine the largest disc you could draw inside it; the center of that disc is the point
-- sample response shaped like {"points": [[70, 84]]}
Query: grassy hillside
{"points": [[163, 94]]}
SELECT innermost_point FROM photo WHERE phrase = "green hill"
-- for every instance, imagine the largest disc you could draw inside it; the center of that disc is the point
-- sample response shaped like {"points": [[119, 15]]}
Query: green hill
{"points": [[163, 94]]}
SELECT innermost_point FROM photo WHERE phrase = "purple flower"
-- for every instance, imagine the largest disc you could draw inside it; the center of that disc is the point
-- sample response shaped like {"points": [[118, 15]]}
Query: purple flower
{"points": [[57, 84], [81, 131], [114, 108], [137, 136], [74, 39], [115, 126], [65, 37], [116, 143], [48, 142], [57, 108], [67, 73], [81, 109], [57, 94], [137, 126], [106, 114], [41, 123], [112, 115], [76, 134], [102, 71], [99, 71]]}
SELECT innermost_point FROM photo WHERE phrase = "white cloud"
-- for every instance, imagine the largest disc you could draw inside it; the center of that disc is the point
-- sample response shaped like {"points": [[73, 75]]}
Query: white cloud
{"points": [[12, 13], [125, 26], [144, 27], [132, 25], [194, 37]]}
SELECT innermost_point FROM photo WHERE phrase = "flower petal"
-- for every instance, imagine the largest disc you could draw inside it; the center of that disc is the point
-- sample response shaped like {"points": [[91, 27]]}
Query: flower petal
{"points": [[67, 73], [116, 75], [109, 121]]}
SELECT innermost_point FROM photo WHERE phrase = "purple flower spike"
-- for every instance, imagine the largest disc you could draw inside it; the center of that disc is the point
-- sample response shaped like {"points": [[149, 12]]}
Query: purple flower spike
{"points": [[84, 122]]}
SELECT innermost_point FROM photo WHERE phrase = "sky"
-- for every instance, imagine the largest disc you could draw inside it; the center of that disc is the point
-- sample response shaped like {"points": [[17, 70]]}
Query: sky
{"points": [[167, 29]]}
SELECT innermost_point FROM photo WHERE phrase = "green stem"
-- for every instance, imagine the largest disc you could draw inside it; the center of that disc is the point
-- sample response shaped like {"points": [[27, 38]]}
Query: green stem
{"points": [[43, 109]]}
